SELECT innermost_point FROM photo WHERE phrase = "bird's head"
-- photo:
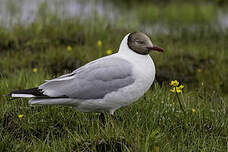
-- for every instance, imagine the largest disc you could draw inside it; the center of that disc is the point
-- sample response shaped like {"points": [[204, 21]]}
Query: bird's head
{"points": [[141, 43]]}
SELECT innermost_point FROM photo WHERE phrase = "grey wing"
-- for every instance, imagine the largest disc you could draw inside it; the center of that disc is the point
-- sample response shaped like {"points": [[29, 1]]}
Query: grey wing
{"points": [[92, 81]]}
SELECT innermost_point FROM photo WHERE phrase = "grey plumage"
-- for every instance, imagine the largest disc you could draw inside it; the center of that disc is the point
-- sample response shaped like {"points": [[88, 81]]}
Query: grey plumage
{"points": [[92, 81]]}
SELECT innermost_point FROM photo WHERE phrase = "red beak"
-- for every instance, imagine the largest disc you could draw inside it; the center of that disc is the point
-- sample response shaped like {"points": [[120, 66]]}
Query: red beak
{"points": [[155, 48]]}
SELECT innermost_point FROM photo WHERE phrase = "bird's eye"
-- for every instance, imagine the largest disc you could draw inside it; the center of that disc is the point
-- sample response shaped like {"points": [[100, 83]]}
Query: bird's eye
{"points": [[140, 42]]}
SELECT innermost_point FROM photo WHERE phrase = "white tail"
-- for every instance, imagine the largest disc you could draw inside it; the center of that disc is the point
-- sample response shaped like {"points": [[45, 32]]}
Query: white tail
{"points": [[50, 101], [22, 95]]}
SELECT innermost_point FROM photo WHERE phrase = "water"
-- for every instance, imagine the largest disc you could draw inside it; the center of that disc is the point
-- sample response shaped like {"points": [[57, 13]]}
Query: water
{"points": [[25, 12]]}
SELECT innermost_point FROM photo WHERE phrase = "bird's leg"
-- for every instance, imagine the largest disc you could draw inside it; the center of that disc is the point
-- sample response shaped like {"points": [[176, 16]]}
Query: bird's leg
{"points": [[111, 119], [102, 118], [111, 116], [103, 121]]}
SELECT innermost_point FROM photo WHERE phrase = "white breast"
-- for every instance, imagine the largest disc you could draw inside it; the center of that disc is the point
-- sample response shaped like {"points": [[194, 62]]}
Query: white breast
{"points": [[144, 73], [143, 70]]}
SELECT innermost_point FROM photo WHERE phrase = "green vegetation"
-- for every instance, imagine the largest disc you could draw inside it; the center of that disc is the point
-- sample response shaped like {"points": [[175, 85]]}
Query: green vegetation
{"points": [[177, 13], [165, 2], [197, 57]]}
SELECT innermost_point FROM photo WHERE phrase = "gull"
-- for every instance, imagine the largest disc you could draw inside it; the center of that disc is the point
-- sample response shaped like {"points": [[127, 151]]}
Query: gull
{"points": [[105, 84]]}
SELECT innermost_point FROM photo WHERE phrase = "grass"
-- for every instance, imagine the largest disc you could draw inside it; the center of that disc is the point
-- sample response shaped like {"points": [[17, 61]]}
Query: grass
{"points": [[153, 121], [175, 13], [197, 58], [165, 2]]}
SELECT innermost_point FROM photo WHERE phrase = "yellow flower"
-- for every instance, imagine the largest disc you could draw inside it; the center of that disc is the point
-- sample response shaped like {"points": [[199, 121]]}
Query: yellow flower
{"points": [[180, 87], [179, 90], [199, 70], [193, 110], [108, 52], [174, 83], [99, 43], [176, 89], [20, 116], [69, 48], [34, 70], [173, 90]]}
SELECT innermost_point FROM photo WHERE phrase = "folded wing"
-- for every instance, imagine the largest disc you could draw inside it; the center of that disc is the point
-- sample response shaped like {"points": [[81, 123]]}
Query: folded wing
{"points": [[92, 81]]}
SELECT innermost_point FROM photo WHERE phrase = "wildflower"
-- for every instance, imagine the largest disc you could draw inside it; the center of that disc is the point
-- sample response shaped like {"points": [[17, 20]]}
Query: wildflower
{"points": [[180, 87], [199, 70], [69, 48], [34, 70], [173, 90], [174, 83], [193, 110], [99, 43], [176, 89], [20, 116], [108, 52]]}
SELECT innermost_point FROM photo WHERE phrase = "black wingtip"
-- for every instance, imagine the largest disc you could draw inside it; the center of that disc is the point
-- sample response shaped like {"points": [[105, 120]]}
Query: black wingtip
{"points": [[32, 91], [8, 95]]}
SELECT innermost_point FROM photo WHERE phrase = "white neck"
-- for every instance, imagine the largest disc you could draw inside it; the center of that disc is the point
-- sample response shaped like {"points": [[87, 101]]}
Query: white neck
{"points": [[129, 54]]}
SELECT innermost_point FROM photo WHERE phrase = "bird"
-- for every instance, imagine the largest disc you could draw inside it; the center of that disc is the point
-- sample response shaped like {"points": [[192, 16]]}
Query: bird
{"points": [[103, 85]]}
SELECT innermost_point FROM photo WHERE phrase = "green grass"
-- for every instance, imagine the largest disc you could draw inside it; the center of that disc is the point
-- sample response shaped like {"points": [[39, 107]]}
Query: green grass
{"points": [[153, 121], [165, 2], [198, 59], [183, 13]]}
